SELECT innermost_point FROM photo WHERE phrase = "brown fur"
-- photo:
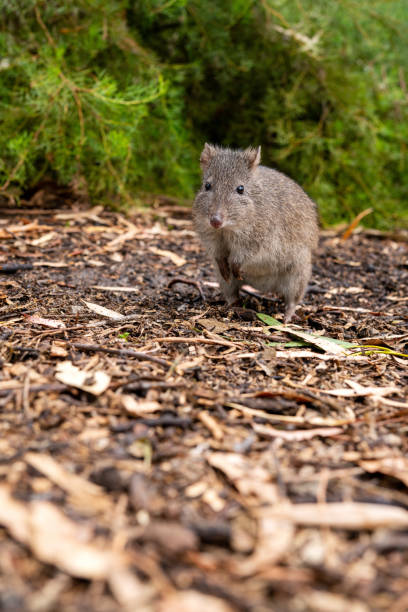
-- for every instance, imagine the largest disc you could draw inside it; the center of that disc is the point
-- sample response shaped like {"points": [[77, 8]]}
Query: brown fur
{"points": [[267, 234]]}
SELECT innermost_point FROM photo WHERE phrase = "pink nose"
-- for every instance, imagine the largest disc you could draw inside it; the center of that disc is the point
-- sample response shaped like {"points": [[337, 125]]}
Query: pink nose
{"points": [[216, 220]]}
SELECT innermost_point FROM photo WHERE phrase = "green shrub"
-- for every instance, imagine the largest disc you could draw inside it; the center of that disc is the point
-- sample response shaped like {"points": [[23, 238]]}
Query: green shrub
{"points": [[118, 96]]}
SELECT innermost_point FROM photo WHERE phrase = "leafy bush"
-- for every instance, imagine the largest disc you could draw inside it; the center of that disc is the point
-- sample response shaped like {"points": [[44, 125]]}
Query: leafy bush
{"points": [[118, 96]]}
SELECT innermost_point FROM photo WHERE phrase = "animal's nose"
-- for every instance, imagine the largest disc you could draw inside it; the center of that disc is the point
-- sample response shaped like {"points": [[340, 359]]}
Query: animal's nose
{"points": [[216, 220]]}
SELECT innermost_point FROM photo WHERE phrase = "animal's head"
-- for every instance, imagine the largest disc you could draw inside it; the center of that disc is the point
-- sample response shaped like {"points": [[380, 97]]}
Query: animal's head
{"points": [[228, 187]]}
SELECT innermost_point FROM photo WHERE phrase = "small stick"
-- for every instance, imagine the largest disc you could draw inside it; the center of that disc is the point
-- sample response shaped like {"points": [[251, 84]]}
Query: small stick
{"points": [[180, 340], [146, 385], [10, 268], [33, 388], [256, 294], [164, 421], [25, 349], [95, 348], [211, 424], [187, 281], [352, 226]]}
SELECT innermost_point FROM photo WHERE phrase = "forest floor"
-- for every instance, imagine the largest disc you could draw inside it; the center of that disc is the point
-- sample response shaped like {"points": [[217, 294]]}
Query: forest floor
{"points": [[170, 454]]}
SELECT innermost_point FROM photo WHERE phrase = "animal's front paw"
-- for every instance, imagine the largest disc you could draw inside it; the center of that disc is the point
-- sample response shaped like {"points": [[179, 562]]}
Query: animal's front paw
{"points": [[236, 271], [224, 267], [232, 303]]}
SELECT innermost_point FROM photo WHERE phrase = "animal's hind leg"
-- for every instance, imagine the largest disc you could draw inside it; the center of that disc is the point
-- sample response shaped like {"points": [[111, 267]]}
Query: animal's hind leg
{"points": [[230, 290], [294, 287]]}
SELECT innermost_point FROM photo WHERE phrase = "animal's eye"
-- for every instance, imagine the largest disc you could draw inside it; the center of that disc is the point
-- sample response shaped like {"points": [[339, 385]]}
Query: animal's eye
{"points": [[240, 189], [207, 186]]}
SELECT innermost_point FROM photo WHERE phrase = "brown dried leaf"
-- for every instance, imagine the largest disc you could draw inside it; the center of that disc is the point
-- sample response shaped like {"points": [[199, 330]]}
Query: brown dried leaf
{"points": [[249, 479], [54, 538], [214, 325], [392, 466], [139, 407], [104, 312], [85, 495], [54, 323], [95, 382], [275, 538], [58, 349]]}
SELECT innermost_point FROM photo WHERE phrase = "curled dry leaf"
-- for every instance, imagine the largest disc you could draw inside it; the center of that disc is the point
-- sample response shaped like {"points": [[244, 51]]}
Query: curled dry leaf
{"points": [[54, 538], [54, 323], [95, 382], [85, 495], [139, 407], [196, 489], [392, 466], [248, 478], [58, 349], [188, 364], [214, 325], [274, 540], [57, 540], [104, 312]]}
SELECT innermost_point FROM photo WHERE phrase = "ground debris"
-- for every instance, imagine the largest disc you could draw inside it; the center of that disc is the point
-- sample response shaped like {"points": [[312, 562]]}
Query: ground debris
{"points": [[162, 452]]}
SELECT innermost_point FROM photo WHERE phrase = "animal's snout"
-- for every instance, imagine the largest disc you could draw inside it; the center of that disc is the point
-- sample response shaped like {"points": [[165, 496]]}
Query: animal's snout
{"points": [[216, 220]]}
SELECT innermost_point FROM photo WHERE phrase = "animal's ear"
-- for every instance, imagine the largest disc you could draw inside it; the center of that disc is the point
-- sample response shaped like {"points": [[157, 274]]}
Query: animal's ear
{"points": [[207, 154], [252, 157]]}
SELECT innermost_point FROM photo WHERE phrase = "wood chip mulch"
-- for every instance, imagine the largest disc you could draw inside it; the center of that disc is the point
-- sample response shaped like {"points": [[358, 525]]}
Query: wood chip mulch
{"points": [[159, 451]]}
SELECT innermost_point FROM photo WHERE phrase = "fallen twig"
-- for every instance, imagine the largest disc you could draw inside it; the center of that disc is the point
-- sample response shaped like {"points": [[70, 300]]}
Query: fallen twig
{"points": [[352, 226], [95, 348], [187, 281], [164, 421], [10, 268], [198, 340], [10, 385]]}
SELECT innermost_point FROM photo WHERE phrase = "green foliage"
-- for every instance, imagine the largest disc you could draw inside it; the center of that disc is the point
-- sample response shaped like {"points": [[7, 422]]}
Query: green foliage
{"points": [[118, 96]]}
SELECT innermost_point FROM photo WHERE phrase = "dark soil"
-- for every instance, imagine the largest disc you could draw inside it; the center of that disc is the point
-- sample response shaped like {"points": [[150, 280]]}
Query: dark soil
{"points": [[209, 471]]}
